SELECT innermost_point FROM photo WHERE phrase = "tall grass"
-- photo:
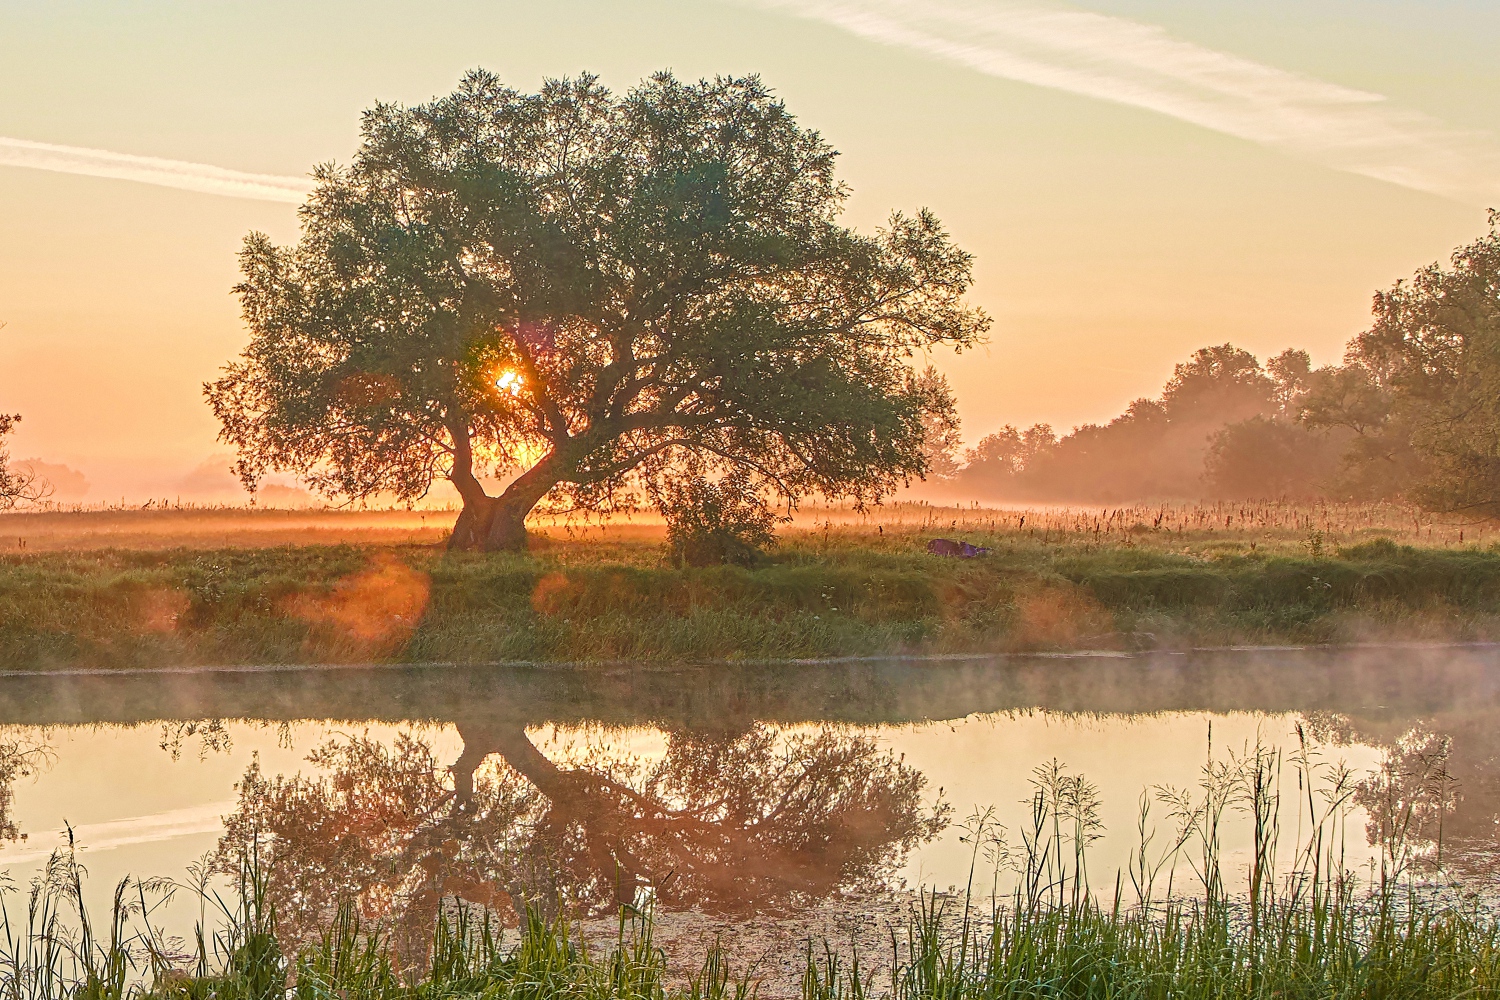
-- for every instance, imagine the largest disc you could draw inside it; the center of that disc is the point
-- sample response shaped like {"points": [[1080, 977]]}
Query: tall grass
{"points": [[1283, 525], [55, 955], [1179, 922], [1309, 929]]}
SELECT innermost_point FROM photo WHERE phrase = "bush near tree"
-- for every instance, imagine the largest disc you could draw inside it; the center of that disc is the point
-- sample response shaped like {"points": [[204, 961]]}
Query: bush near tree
{"points": [[710, 523]]}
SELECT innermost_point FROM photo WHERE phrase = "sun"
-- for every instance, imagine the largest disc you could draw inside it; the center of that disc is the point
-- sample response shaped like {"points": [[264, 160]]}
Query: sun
{"points": [[510, 381]]}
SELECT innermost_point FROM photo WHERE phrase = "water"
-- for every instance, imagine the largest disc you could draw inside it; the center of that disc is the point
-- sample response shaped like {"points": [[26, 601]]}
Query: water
{"points": [[735, 792]]}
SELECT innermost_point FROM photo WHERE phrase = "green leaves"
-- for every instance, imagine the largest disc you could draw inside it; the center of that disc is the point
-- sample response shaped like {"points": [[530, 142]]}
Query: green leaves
{"points": [[656, 276], [1425, 378]]}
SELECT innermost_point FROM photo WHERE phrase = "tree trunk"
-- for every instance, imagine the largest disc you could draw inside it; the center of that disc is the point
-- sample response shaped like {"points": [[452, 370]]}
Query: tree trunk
{"points": [[492, 524], [507, 528], [473, 524], [498, 524]]}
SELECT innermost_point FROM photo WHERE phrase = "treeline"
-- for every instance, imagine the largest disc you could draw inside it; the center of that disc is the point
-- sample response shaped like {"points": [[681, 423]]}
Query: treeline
{"points": [[1413, 413]]}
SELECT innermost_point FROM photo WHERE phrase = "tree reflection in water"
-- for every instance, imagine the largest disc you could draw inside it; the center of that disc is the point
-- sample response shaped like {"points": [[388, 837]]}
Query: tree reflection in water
{"points": [[729, 822], [1433, 799], [19, 758]]}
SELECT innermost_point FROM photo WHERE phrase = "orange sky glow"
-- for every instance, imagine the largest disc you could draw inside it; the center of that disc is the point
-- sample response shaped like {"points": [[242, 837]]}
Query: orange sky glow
{"points": [[1136, 179]]}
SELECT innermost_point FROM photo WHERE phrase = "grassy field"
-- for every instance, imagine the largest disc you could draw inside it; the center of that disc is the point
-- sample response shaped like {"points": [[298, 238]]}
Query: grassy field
{"points": [[839, 584]]}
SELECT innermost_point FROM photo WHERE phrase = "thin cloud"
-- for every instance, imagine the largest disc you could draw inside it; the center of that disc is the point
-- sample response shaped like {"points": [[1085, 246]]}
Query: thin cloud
{"points": [[201, 177], [1143, 66]]}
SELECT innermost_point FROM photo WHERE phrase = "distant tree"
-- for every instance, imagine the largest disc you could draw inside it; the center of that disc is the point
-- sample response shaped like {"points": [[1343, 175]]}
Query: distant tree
{"points": [[1149, 414], [1379, 459], [1433, 357], [1347, 396], [1270, 458], [1274, 453], [1220, 384], [1009, 451], [1141, 453], [1158, 448], [587, 287], [17, 485], [1290, 373], [62, 482]]}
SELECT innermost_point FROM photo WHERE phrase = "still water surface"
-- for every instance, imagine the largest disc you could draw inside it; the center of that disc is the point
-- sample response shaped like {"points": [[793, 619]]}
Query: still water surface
{"points": [[727, 790]]}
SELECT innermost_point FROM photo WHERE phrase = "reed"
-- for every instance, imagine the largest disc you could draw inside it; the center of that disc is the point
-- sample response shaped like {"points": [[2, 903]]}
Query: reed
{"points": [[1295, 923]]}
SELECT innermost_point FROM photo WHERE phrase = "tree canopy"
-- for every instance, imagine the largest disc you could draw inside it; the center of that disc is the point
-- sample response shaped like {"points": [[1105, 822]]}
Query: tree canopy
{"points": [[1421, 387], [590, 289]]}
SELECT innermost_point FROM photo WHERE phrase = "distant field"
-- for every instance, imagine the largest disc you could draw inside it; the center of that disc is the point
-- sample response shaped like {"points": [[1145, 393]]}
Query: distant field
{"points": [[158, 588], [1200, 527], [214, 528]]}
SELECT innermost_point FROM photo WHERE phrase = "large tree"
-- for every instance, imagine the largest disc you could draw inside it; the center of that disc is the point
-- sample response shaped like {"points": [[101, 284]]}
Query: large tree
{"points": [[589, 288]]}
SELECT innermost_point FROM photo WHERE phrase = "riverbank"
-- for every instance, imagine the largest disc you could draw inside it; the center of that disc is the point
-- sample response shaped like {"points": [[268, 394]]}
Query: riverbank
{"points": [[851, 589]]}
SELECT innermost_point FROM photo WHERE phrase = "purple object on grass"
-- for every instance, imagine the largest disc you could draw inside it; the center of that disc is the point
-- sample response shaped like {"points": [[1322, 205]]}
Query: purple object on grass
{"points": [[948, 547]]}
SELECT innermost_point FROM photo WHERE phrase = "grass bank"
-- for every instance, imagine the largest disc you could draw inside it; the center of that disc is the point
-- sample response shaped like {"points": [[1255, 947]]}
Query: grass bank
{"points": [[844, 590]]}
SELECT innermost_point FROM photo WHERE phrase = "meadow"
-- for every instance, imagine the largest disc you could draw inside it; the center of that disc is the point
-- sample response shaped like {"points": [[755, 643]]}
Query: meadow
{"points": [[107, 589]]}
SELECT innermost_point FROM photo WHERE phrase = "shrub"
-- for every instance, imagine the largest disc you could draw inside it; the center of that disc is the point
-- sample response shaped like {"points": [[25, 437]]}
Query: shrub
{"points": [[710, 523]]}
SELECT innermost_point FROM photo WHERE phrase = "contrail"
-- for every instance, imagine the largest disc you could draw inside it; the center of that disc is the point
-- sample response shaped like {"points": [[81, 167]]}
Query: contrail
{"points": [[201, 177], [96, 837], [1143, 66]]}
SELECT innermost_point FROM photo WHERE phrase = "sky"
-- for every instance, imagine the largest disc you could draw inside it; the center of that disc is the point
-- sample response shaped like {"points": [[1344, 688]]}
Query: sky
{"points": [[1136, 178]]}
